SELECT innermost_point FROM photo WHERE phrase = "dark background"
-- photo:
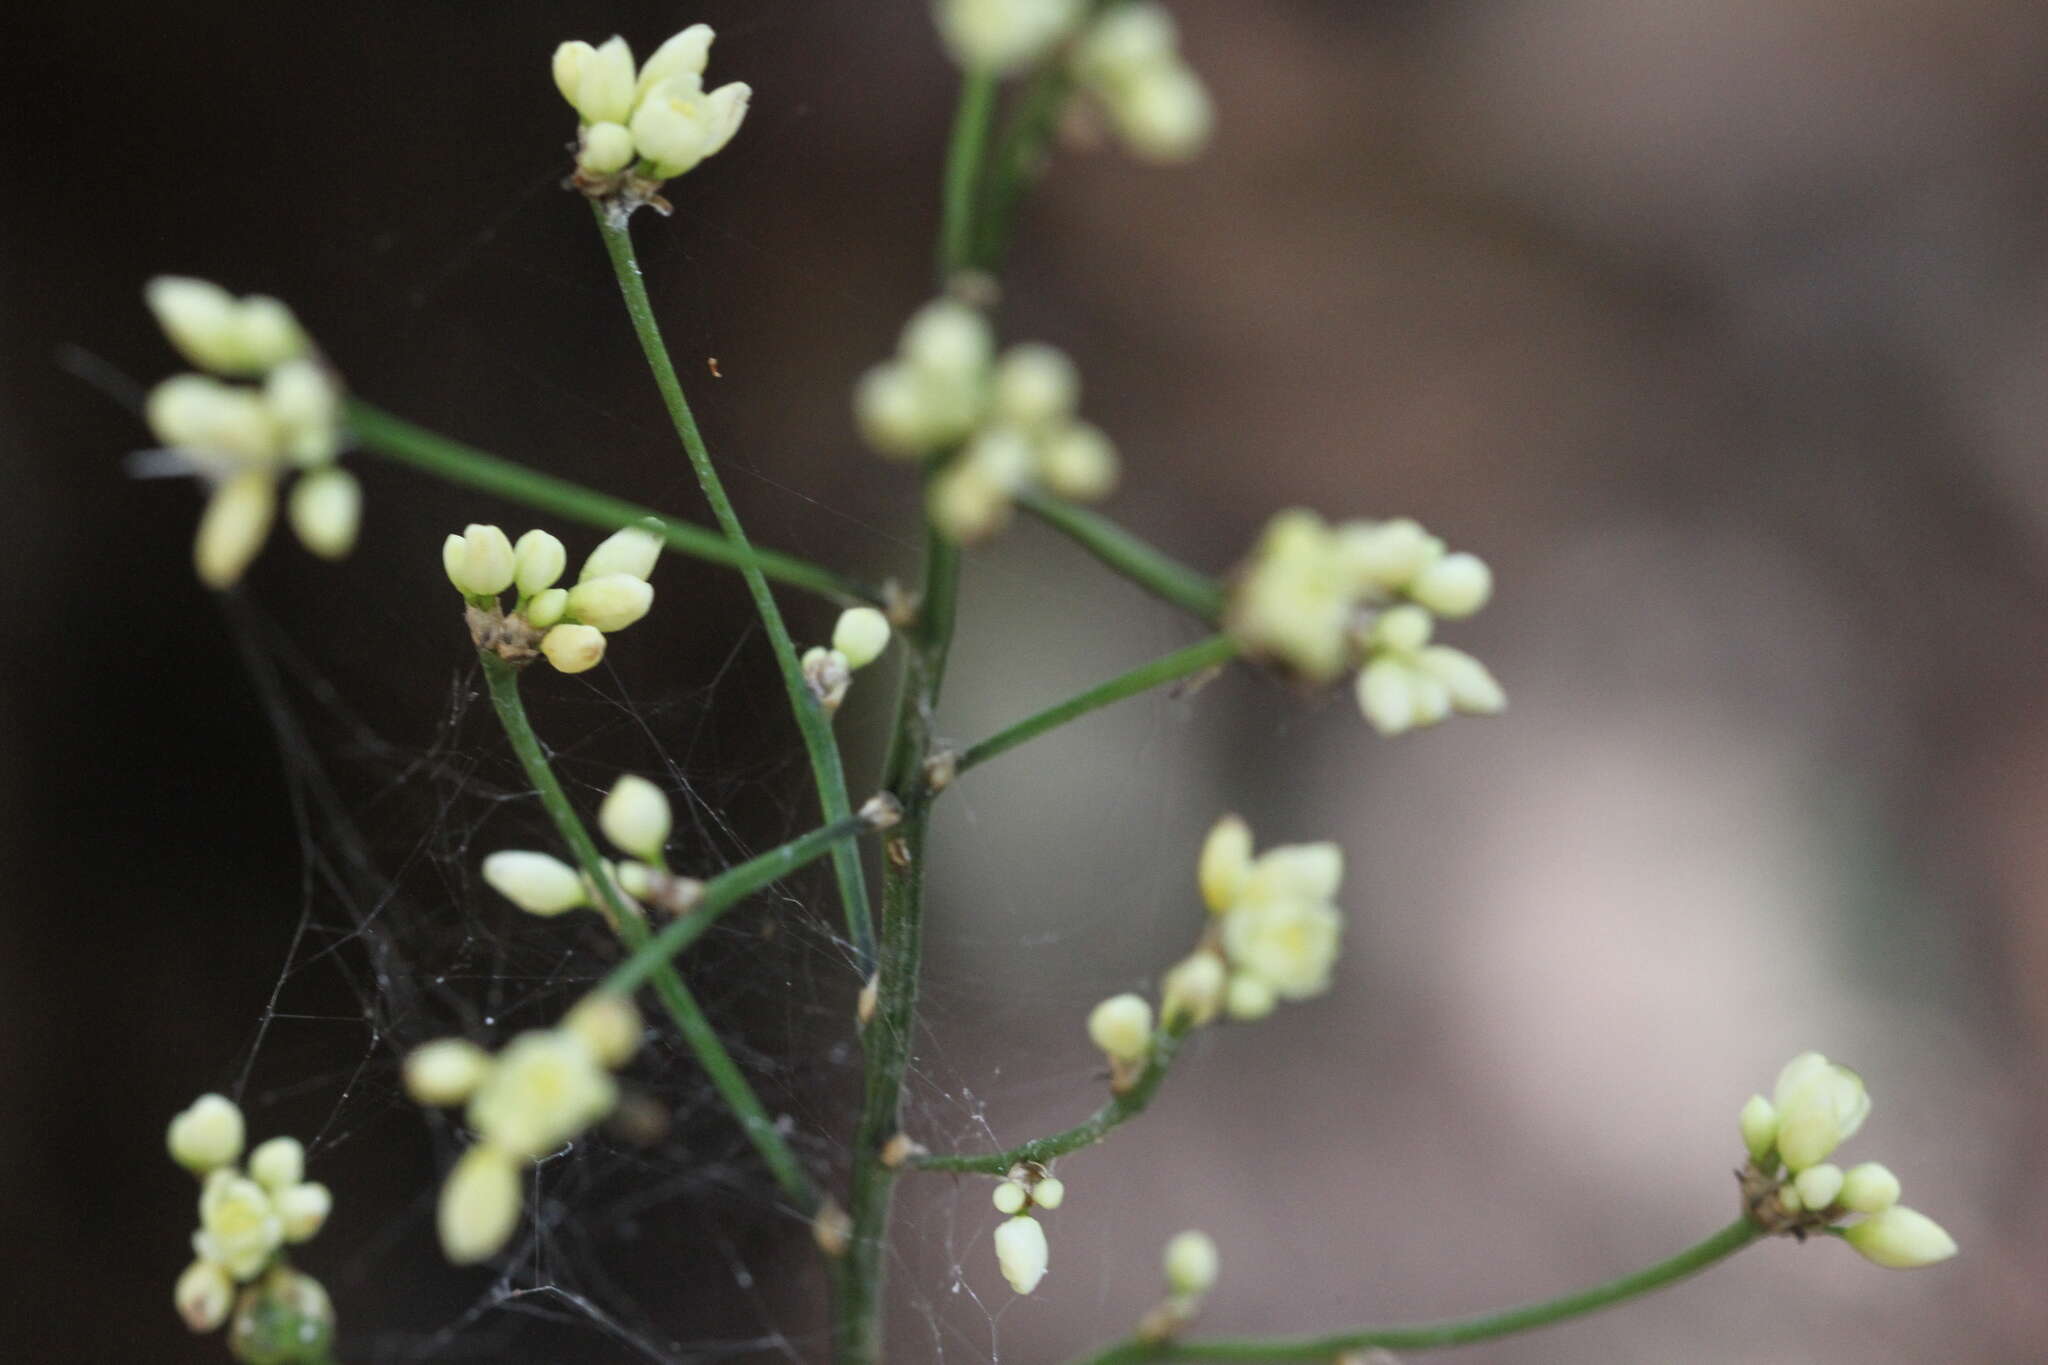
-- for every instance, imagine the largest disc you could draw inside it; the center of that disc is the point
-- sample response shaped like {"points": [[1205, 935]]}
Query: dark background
{"points": [[1720, 332]]}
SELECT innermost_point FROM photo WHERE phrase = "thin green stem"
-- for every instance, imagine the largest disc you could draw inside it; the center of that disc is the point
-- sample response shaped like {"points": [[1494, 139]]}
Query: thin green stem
{"points": [[396, 439], [1435, 1335], [1203, 654], [626, 921], [1120, 1109], [1020, 153], [811, 720], [966, 154], [1151, 569]]}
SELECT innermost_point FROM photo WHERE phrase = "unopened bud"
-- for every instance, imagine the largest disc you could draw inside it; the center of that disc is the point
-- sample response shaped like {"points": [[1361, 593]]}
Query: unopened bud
{"points": [[445, 1072], [304, 1208], [1021, 1252], [1049, 1193], [633, 551], [832, 1229], [635, 817], [535, 882], [1191, 1263], [1455, 586], [860, 636], [1759, 1128], [326, 510], [573, 648], [610, 602], [538, 560], [608, 1025], [479, 1206], [278, 1164], [1900, 1238], [1869, 1188], [479, 561], [1122, 1027], [207, 1135], [1191, 992], [203, 1296]]}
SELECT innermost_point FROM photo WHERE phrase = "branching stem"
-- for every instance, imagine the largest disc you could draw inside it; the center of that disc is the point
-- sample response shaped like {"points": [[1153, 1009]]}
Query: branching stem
{"points": [[1150, 568]]}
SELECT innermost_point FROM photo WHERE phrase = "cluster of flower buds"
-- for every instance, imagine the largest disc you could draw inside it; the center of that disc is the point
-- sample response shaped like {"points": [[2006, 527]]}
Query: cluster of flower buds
{"points": [[245, 439], [1324, 599], [858, 639], [1007, 423], [542, 1090], [1004, 36], [1791, 1187], [247, 1216], [1191, 1266], [639, 127], [636, 819], [568, 625], [1129, 64], [1021, 1250]]}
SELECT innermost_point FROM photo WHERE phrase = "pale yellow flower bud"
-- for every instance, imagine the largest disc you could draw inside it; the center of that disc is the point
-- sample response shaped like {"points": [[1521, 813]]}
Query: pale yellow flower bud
{"points": [[1819, 1186], [278, 1164], [948, 338], [218, 332], [479, 561], [608, 1026], [611, 603], [605, 148], [302, 400], [1820, 1105], [568, 67], [445, 1072], [479, 1207], [1035, 386], [1403, 629], [861, 634], [203, 1296], [605, 82], [1191, 1263], [1049, 1193], [1126, 40], [1468, 684], [207, 1135], [221, 428], [1248, 999], [1388, 696], [901, 414], [304, 1208], [635, 817], [1759, 1128], [677, 125], [538, 560], [1004, 36], [1010, 1197], [1900, 1238], [535, 882], [544, 1089], [686, 54], [967, 506], [1226, 863], [1122, 1027], [1384, 557], [326, 509], [1455, 586], [267, 333], [1869, 1188], [547, 607], [573, 648], [233, 527], [633, 551], [1163, 114], [1079, 463], [1021, 1252], [1191, 992]]}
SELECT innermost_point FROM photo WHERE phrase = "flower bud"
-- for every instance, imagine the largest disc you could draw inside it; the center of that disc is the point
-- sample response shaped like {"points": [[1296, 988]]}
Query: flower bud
{"points": [[301, 398], [1455, 586], [1191, 992], [479, 1205], [1191, 1263], [966, 505], [1010, 1197], [605, 82], [605, 149], [686, 54], [535, 882], [203, 1296], [304, 1208], [445, 1072], [1078, 463], [547, 607], [1759, 1129], [948, 338], [1900, 1239], [1248, 999], [1124, 41], [1384, 557], [1164, 114], [221, 428], [199, 318], [861, 634], [608, 1026], [278, 1164], [1021, 1252], [573, 648], [1035, 386], [326, 509], [538, 560], [633, 550], [899, 413], [479, 561], [1388, 697], [1819, 1185], [568, 67], [234, 526], [1049, 1193], [1122, 1027], [207, 1135], [1470, 687], [1403, 629], [1226, 863], [1003, 36], [1820, 1104], [1869, 1188], [635, 817], [610, 603]]}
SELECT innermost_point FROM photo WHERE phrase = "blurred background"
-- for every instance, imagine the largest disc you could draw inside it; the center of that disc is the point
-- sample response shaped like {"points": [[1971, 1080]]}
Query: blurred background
{"points": [[1720, 331]]}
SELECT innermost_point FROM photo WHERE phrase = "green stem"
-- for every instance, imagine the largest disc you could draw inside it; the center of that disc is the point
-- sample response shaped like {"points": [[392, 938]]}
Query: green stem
{"points": [[626, 921], [1156, 572], [966, 153], [1434, 1335], [1120, 1109], [396, 439], [811, 720], [1020, 153], [1209, 653]]}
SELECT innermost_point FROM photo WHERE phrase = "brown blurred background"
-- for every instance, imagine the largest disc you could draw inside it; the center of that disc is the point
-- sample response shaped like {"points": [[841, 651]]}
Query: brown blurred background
{"points": [[1721, 331]]}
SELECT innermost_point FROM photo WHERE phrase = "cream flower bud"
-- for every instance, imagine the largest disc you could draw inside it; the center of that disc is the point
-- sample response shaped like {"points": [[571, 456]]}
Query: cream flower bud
{"points": [[548, 607], [568, 67], [538, 560], [1291, 944], [479, 1205], [1164, 113], [233, 527], [1191, 992], [1294, 600], [1901, 1239], [278, 1164], [573, 648], [445, 1072], [605, 148], [1455, 586], [611, 603], [207, 1135], [479, 561], [1403, 630], [635, 817], [1021, 1252], [633, 551], [1003, 36], [1869, 1188], [1191, 1263], [608, 1025], [203, 1296], [1122, 1027], [238, 1226], [1079, 463], [1010, 1197], [220, 427], [1035, 386], [686, 54], [1388, 697], [1819, 1186], [862, 633], [1820, 1104], [1248, 999], [677, 125], [304, 1208], [1295, 872], [605, 83], [544, 1089], [898, 413], [1226, 863], [326, 509], [1124, 41], [966, 505], [535, 882], [948, 338], [198, 316], [1049, 1193], [1468, 684], [1383, 557], [1759, 1128], [301, 398]]}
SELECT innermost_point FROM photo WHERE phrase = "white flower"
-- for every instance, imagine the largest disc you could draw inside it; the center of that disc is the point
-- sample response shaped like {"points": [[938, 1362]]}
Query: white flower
{"points": [[677, 124], [446, 1071], [1122, 1027], [633, 551], [1290, 945], [1004, 36], [686, 54], [203, 1296], [1819, 1104], [326, 509], [635, 816], [861, 634], [610, 602], [207, 1135], [1279, 926], [1381, 558], [535, 882], [479, 561], [479, 1207], [544, 1089], [1021, 1252], [1191, 1263], [573, 648], [238, 1226], [1294, 601], [218, 332], [1900, 1238]]}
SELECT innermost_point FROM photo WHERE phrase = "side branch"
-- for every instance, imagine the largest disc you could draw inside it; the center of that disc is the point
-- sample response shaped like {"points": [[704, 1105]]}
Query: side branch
{"points": [[1151, 569]]}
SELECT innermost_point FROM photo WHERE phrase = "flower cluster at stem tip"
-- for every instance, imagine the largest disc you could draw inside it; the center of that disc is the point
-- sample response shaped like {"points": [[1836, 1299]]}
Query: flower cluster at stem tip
{"points": [[244, 439], [248, 1213], [1791, 1187], [641, 126], [998, 425], [1322, 599], [546, 1087], [566, 625], [1021, 1249]]}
